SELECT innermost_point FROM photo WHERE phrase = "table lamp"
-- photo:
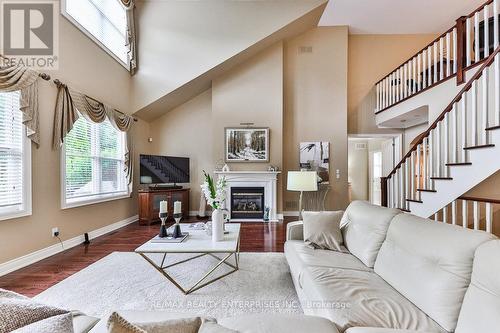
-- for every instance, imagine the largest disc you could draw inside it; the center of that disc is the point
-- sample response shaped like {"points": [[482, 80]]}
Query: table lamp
{"points": [[302, 181]]}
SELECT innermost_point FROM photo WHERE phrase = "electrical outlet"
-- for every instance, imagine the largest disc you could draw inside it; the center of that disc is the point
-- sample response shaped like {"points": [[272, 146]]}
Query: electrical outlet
{"points": [[55, 232]]}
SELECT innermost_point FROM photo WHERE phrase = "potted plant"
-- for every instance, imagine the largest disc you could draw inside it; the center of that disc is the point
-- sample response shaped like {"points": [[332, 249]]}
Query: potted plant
{"points": [[215, 193]]}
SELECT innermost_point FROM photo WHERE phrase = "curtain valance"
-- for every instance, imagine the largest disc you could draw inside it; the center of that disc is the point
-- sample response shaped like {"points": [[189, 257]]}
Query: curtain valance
{"points": [[71, 104], [14, 78], [131, 35]]}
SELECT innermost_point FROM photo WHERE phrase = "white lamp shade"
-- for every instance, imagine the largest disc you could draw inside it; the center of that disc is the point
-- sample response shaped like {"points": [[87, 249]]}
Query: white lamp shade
{"points": [[302, 181]]}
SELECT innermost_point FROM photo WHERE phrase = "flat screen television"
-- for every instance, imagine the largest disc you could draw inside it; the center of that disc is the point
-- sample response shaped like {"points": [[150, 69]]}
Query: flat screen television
{"points": [[164, 169]]}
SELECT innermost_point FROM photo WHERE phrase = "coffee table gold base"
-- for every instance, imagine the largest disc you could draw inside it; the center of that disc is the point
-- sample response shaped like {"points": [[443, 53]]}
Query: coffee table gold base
{"points": [[201, 282]]}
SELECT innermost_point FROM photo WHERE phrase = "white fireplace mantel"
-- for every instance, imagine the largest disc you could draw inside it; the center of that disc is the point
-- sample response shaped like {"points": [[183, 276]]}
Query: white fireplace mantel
{"points": [[266, 179]]}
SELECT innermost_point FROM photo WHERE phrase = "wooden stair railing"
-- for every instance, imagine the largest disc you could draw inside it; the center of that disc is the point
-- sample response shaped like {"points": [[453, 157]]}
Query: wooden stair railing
{"points": [[463, 125], [465, 45]]}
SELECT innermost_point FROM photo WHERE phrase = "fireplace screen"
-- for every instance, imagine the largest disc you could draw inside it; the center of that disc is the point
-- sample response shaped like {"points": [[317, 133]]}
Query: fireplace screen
{"points": [[247, 202]]}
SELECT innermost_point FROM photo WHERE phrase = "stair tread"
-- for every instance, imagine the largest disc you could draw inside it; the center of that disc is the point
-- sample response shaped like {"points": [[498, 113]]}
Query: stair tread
{"points": [[404, 210], [480, 146], [425, 190], [441, 178], [460, 163], [415, 200], [493, 128]]}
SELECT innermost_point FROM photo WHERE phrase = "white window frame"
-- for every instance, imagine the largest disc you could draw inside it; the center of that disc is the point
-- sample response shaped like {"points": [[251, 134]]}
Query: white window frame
{"points": [[94, 39], [7, 214], [94, 199]]}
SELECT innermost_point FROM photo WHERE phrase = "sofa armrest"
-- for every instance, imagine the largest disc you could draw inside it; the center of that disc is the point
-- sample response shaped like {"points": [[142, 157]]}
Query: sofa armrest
{"points": [[295, 231], [380, 330]]}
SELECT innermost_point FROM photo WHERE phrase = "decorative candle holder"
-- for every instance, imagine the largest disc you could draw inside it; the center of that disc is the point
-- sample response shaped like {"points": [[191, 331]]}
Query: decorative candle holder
{"points": [[177, 227], [163, 228]]}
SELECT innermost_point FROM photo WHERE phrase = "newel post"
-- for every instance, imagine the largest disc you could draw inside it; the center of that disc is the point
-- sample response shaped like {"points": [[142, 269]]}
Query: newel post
{"points": [[383, 190], [461, 56]]}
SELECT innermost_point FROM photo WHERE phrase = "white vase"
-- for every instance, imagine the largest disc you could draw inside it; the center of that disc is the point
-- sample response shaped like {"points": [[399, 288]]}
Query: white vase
{"points": [[217, 225]]}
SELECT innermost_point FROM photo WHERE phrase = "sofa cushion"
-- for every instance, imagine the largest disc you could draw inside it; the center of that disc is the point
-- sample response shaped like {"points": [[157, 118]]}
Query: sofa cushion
{"points": [[364, 227], [353, 298], [480, 310], [430, 263], [56, 324], [275, 323], [83, 323], [322, 230], [300, 255], [380, 330]]}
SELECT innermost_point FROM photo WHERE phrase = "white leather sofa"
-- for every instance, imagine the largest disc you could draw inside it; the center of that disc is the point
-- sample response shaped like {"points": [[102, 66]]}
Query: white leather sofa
{"points": [[399, 273]]}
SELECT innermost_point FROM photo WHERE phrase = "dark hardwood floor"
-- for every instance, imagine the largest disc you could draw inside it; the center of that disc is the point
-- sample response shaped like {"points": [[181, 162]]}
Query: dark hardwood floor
{"points": [[32, 280]]}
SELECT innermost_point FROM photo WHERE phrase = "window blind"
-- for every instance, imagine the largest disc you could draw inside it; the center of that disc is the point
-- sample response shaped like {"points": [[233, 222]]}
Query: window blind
{"points": [[94, 162], [105, 20], [11, 154]]}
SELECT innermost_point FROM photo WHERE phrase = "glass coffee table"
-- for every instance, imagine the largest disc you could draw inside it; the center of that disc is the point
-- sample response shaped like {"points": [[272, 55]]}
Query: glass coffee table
{"points": [[199, 243]]}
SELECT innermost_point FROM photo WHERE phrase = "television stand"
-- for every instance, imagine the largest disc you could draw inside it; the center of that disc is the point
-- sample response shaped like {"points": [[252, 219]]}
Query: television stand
{"points": [[149, 203], [165, 187]]}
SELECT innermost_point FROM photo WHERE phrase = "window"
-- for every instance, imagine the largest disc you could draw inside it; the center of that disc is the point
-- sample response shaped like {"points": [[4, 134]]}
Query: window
{"points": [[94, 164], [104, 21], [15, 160]]}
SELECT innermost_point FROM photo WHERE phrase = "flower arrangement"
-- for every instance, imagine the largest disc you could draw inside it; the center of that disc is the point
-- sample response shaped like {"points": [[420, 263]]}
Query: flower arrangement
{"points": [[215, 193]]}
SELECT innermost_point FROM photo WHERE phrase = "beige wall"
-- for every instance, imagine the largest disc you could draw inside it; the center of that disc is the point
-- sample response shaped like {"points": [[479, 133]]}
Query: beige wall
{"points": [[250, 92], [371, 57], [187, 131], [316, 105], [86, 67]]}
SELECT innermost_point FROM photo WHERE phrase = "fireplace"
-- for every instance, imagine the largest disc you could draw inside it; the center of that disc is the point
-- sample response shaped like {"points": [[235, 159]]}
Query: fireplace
{"points": [[247, 202]]}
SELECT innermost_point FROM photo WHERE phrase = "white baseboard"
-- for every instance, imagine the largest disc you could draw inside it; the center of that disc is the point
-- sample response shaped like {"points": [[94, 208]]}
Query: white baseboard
{"points": [[31, 258], [279, 216]]}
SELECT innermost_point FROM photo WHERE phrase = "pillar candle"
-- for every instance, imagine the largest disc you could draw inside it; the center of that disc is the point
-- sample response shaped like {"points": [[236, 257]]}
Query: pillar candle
{"points": [[163, 206], [177, 207]]}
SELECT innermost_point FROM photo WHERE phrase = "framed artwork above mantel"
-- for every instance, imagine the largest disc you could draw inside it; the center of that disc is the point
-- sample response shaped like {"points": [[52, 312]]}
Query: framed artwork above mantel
{"points": [[246, 144]]}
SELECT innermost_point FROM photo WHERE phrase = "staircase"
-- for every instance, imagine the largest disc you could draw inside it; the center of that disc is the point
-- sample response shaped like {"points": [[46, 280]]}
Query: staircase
{"points": [[462, 146]]}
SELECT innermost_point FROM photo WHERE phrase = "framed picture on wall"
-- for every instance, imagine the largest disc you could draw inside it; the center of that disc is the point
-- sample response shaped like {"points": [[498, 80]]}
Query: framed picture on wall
{"points": [[315, 156], [246, 144]]}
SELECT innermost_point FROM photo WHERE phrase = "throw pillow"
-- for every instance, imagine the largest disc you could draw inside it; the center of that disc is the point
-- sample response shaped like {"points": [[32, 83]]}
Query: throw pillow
{"points": [[118, 324], [322, 230], [57, 324], [17, 311]]}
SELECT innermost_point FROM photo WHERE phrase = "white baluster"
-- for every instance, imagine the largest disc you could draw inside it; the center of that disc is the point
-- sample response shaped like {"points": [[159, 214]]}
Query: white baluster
{"points": [[474, 114], [377, 88], [465, 214], [448, 54], [401, 82], [415, 75], [486, 32], [419, 69], [424, 68], [454, 133], [489, 217], [436, 218], [429, 66], [418, 186], [424, 164], [435, 62], [464, 127], [445, 214], [405, 80], [398, 80], [455, 47], [438, 149], [441, 58], [497, 87], [412, 175], [468, 50], [495, 24], [389, 79], [476, 37], [394, 197], [446, 134], [485, 115], [401, 188], [407, 179], [476, 215], [454, 212], [431, 158]]}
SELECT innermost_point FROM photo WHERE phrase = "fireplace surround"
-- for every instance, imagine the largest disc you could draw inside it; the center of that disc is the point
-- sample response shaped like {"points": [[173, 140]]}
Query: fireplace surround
{"points": [[266, 180]]}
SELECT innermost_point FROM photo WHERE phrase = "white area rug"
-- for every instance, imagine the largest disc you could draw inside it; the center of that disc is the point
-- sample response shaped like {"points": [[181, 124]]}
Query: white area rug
{"points": [[125, 281]]}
